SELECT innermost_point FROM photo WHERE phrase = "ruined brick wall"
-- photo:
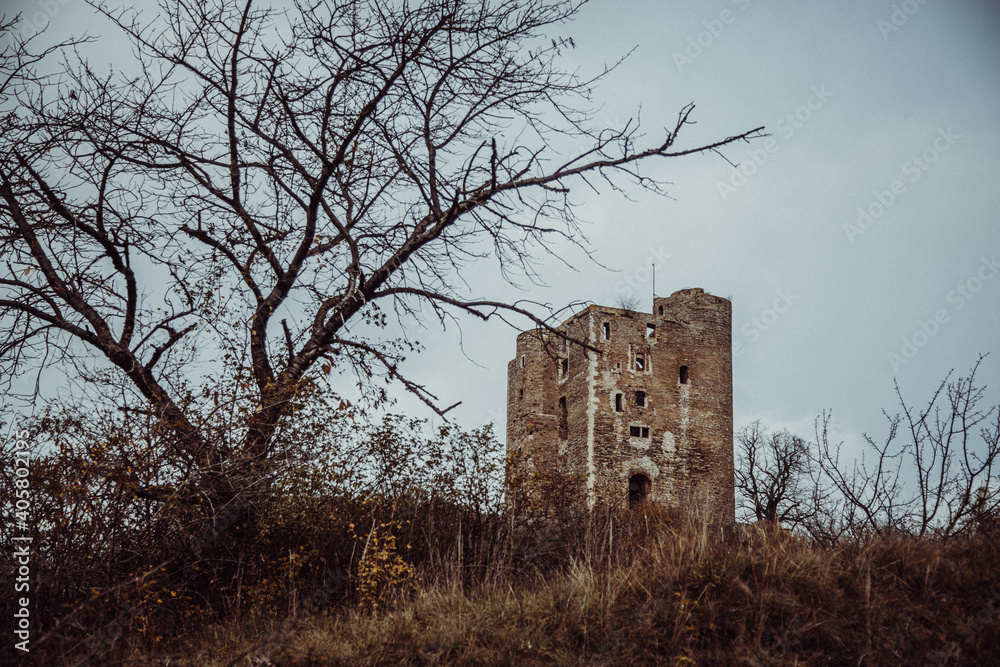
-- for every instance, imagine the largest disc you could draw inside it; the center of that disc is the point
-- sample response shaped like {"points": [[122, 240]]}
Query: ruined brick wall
{"points": [[648, 418], [546, 403]]}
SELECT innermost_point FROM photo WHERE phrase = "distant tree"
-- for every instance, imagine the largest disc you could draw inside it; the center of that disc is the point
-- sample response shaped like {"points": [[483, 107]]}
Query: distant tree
{"points": [[263, 187], [628, 301], [774, 478]]}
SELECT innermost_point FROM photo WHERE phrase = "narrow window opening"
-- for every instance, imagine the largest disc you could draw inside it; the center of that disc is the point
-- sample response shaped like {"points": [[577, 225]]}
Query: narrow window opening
{"points": [[618, 402], [520, 394], [564, 366], [522, 361], [638, 490], [640, 399], [684, 374], [661, 310], [607, 331], [640, 362], [650, 330], [563, 417]]}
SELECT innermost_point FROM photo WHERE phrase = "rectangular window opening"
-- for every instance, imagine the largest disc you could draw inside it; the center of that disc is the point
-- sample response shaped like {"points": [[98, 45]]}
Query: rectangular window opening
{"points": [[684, 375], [640, 399], [638, 431], [640, 361], [618, 402], [522, 361], [520, 394], [650, 331], [563, 417], [607, 331]]}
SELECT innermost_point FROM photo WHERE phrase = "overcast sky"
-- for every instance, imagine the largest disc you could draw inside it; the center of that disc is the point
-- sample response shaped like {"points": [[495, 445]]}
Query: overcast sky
{"points": [[859, 243], [894, 113]]}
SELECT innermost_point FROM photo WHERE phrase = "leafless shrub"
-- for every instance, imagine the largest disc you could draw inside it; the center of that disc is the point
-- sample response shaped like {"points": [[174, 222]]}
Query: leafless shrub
{"points": [[934, 472]]}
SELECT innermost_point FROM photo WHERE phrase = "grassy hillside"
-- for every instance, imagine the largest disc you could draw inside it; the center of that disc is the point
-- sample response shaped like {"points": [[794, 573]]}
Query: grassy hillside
{"points": [[660, 593]]}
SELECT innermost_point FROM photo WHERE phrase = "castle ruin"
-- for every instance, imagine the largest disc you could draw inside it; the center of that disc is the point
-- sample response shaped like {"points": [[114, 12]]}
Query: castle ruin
{"points": [[646, 418]]}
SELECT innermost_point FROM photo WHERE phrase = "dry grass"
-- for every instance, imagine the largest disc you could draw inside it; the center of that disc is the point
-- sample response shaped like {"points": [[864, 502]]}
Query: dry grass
{"points": [[667, 593]]}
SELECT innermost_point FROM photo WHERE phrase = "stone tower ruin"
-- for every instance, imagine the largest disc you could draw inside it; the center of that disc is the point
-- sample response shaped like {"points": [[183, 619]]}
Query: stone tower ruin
{"points": [[647, 418]]}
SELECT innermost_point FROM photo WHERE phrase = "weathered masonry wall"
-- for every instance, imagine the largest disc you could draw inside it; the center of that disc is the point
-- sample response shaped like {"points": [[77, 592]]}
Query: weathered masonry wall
{"points": [[647, 418]]}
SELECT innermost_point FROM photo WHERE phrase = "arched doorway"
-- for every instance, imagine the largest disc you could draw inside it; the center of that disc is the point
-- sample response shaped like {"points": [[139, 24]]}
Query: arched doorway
{"points": [[638, 489]]}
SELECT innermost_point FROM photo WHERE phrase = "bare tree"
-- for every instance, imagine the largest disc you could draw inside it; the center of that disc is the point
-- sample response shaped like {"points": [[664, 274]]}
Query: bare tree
{"points": [[954, 454], [257, 186], [774, 476], [936, 470], [871, 486], [628, 301]]}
